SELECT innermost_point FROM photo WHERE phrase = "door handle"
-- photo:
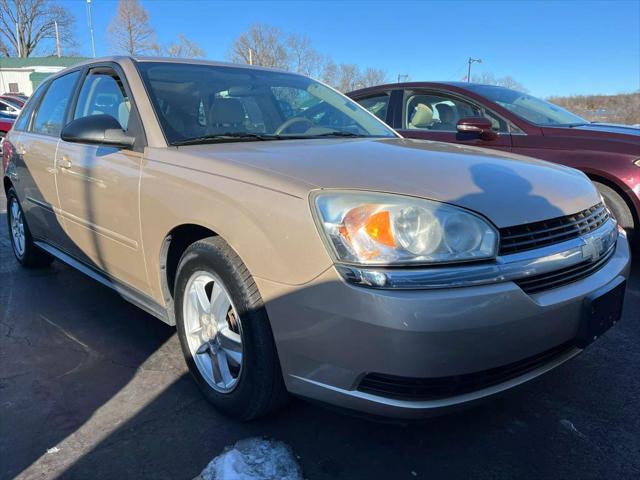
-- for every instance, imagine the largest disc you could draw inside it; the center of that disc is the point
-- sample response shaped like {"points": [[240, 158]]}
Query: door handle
{"points": [[64, 162]]}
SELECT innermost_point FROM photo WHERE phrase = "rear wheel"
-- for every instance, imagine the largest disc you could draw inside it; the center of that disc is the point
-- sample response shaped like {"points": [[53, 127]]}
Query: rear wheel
{"points": [[618, 207], [24, 249], [224, 332]]}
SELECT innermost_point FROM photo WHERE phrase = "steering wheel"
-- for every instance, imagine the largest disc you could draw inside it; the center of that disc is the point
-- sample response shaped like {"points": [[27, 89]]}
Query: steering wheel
{"points": [[292, 121]]}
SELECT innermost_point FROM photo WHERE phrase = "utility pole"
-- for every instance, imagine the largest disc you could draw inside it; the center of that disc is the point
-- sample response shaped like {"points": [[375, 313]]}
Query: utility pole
{"points": [[250, 57], [470, 61], [89, 19], [18, 39], [55, 22]]}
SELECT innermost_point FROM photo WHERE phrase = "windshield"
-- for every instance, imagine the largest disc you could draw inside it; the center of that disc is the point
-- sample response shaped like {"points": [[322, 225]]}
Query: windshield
{"points": [[206, 103], [530, 108]]}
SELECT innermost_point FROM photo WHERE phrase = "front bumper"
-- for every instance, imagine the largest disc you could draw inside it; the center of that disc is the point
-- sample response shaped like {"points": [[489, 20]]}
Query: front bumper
{"points": [[330, 334]]}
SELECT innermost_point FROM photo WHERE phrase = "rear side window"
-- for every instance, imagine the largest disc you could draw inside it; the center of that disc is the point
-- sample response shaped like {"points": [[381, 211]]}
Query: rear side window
{"points": [[104, 94], [50, 116], [22, 123], [377, 105]]}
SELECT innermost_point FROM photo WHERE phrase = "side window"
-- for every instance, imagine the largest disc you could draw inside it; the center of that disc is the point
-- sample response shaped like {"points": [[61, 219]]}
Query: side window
{"points": [[50, 115], [377, 105], [435, 112], [103, 93], [6, 108], [22, 123]]}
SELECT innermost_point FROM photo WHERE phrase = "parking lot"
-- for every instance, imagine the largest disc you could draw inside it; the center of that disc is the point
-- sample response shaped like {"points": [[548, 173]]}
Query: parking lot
{"points": [[92, 387]]}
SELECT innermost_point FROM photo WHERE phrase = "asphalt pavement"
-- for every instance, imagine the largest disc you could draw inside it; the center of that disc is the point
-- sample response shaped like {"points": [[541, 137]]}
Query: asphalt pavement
{"points": [[92, 387]]}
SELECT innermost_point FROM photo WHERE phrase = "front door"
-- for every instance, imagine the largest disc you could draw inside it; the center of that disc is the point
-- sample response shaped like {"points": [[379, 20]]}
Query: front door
{"points": [[434, 115], [99, 188]]}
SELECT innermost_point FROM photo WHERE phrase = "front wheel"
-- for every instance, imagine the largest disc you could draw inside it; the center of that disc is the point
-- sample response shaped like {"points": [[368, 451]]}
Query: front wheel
{"points": [[225, 333], [618, 208]]}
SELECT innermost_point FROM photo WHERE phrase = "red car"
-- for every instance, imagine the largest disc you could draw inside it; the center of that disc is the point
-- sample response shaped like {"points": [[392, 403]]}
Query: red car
{"points": [[6, 122], [497, 117]]}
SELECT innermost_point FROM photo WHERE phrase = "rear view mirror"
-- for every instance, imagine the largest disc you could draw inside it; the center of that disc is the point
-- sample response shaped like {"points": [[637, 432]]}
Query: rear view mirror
{"points": [[478, 125], [97, 130]]}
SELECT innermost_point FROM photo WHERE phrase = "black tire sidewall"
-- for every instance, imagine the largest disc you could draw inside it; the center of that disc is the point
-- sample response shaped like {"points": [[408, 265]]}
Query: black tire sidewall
{"points": [[257, 341]]}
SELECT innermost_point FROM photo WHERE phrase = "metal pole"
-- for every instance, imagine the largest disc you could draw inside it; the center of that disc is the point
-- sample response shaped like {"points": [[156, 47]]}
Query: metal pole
{"points": [[250, 57], [18, 40], [469, 70], [93, 42], [55, 22]]}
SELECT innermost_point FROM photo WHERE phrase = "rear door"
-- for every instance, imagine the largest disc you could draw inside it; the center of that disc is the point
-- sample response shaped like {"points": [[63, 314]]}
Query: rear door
{"points": [[99, 185], [36, 140], [433, 115]]}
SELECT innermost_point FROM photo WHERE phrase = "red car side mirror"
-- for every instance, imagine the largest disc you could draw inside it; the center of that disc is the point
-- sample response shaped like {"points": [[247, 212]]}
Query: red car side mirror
{"points": [[479, 125]]}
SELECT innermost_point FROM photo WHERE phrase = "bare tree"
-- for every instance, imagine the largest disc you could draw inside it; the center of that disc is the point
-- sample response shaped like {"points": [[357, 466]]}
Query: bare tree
{"points": [[303, 57], [348, 77], [373, 76], [130, 30], [489, 78], [184, 48], [261, 45], [329, 72], [268, 46], [35, 21]]}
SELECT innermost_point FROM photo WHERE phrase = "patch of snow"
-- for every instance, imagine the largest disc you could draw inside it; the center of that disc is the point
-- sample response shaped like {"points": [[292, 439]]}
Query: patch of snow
{"points": [[254, 459], [53, 450]]}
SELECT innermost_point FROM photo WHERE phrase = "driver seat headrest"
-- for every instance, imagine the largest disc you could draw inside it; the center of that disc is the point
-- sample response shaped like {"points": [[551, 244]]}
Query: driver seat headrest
{"points": [[226, 112]]}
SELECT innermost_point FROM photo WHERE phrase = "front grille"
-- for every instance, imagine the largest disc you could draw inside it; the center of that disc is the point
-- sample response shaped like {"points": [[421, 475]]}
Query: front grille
{"points": [[408, 388], [548, 232], [564, 276]]}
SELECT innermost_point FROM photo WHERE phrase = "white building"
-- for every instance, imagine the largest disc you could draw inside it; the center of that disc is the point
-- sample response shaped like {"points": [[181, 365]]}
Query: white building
{"points": [[23, 75]]}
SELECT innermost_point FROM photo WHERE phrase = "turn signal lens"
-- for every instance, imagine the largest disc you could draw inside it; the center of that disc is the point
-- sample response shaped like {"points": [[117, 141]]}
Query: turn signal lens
{"points": [[375, 228]]}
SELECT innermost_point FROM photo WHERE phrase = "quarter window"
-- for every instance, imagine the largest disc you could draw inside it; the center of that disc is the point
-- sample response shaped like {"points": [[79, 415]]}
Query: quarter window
{"points": [[377, 105], [51, 113], [104, 94]]}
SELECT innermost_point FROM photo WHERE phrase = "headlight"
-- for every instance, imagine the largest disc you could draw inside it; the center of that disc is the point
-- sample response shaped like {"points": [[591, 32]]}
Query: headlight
{"points": [[637, 162], [384, 229]]}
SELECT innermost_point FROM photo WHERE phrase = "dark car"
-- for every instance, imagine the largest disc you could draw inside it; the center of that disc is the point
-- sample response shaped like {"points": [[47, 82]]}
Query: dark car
{"points": [[497, 117]]}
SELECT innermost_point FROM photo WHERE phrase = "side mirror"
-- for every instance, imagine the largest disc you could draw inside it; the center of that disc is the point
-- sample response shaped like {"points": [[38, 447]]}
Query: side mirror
{"points": [[478, 125], [97, 130]]}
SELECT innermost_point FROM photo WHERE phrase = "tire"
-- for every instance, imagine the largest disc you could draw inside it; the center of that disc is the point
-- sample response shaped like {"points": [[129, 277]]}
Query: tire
{"points": [[24, 249], [618, 207], [255, 387]]}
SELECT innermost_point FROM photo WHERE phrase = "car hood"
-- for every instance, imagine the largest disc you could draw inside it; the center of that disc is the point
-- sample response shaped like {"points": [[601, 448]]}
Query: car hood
{"points": [[507, 189]]}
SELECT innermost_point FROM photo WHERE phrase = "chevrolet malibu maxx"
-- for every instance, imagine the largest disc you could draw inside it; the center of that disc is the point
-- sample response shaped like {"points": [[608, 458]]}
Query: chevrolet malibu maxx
{"points": [[301, 246]]}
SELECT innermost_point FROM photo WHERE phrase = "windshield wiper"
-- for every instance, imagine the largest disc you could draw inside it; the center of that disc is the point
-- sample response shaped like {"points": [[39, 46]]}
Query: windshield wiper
{"points": [[227, 137], [337, 133]]}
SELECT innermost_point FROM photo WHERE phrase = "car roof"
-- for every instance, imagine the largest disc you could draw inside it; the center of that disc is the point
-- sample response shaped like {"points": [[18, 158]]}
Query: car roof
{"points": [[434, 84], [185, 61]]}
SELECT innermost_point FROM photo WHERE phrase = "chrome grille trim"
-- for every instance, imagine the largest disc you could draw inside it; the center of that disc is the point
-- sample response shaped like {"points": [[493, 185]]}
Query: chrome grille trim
{"points": [[564, 276], [530, 236]]}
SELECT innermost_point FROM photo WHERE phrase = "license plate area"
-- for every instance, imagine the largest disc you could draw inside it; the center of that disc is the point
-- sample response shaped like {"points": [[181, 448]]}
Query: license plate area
{"points": [[601, 311]]}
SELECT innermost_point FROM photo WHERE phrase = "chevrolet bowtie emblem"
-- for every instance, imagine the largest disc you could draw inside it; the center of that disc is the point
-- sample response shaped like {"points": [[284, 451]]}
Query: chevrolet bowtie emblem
{"points": [[591, 248]]}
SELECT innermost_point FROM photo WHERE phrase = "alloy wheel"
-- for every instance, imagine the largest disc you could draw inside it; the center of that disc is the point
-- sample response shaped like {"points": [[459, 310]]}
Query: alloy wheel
{"points": [[213, 330], [17, 228]]}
